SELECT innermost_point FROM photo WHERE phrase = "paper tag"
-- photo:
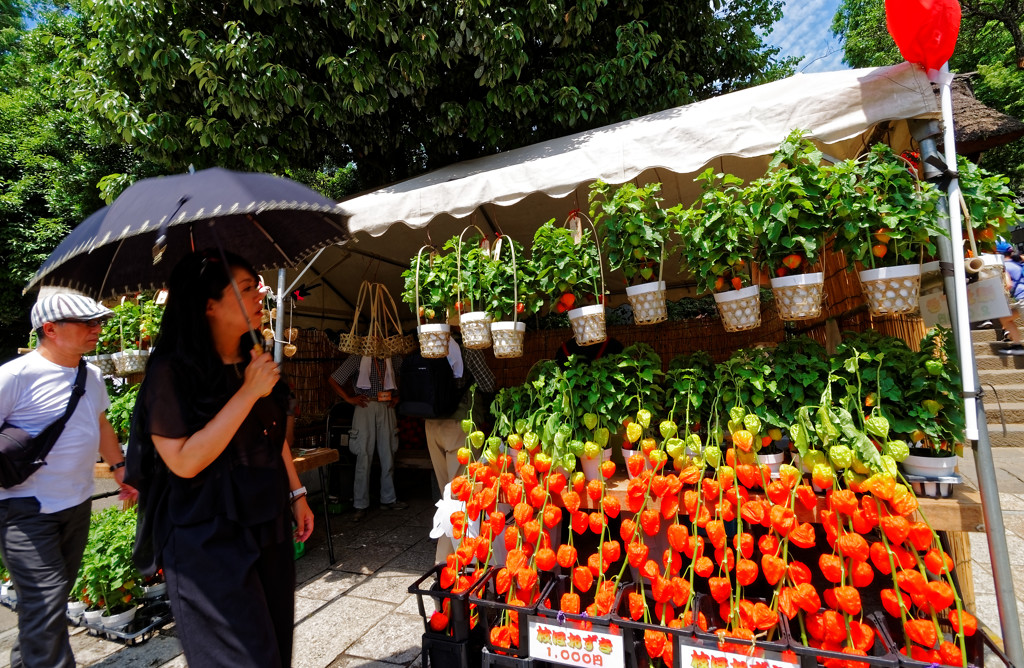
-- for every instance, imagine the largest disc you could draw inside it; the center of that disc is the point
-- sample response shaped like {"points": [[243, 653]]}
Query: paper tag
{"points": [[574, 647], [384, 396], [704, 657]]}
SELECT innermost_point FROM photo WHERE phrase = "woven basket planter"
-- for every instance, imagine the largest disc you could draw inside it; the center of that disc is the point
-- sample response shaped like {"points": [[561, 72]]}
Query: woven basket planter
{"points": [[105, 363], [799, 297], [476, 329], [891, 290], [507, 338], [434, 340], [588, 324], [128, 362], [648, 302], [740, 309]]}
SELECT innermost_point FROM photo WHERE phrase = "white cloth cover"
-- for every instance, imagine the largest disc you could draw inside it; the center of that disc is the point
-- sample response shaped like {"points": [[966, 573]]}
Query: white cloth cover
{"points": [[363, 381]]}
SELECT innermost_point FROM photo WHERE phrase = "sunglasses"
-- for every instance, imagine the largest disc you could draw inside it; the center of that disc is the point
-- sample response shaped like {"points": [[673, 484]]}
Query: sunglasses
{"points": [[93, 322]]}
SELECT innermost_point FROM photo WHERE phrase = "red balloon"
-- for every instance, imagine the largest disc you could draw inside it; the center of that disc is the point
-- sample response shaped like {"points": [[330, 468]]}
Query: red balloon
{"points": [[924, 30]]}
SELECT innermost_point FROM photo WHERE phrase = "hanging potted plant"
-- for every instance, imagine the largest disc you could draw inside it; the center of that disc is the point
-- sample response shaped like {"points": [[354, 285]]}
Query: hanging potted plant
{"points": [[570, 273], [788, 203], [428, 292], [717, 248], [886, 221], [127, 320], [109, 343], [470, 257], [988, 203], [510, 296], [634, 230]]}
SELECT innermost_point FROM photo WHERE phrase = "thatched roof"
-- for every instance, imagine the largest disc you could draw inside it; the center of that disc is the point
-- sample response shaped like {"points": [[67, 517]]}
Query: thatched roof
{"points": [[979, 127]]}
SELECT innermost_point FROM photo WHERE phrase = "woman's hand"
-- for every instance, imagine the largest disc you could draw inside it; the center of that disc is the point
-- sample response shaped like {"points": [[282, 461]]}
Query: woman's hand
{"points": [[303, 518], [262, 374]]}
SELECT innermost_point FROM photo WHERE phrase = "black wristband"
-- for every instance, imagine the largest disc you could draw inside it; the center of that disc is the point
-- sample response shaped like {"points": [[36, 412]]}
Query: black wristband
{"points": [[119, 465]]}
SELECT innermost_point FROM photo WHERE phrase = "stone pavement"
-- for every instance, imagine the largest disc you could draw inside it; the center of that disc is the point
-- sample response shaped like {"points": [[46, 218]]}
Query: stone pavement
{"points": [[358, 612]]}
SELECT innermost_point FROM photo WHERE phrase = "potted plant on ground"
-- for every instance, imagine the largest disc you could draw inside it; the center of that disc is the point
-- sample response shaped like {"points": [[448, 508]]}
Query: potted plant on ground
{"points": [[510, 295], [428, 293], [788, 205], [570, 274], [887, 220], [717, 245], [634, 231], [108, 576]]}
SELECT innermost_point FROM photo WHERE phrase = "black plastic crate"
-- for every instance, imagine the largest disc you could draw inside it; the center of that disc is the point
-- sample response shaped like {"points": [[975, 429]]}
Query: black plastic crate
{"points": [[442, 652], [633, 631], [491, 660], [150, 618], [709, 607], [981, 649], [881, 652], [459, 611], [492, 607], [553, 594]]}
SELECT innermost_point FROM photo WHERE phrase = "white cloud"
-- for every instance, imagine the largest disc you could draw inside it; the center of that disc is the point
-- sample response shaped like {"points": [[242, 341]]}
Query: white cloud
{"points": [[804, 31]]}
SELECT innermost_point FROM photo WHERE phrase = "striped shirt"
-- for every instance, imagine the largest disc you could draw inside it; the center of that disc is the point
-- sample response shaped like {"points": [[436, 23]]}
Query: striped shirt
{"points": [[349, 370]]}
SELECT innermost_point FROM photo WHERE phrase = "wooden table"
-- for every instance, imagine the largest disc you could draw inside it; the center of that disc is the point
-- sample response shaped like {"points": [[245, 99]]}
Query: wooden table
{"points": [[304, 460]]}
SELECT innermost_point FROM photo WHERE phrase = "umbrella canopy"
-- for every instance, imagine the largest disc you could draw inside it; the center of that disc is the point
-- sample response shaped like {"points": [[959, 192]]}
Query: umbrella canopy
{"points": [[269, 220]]}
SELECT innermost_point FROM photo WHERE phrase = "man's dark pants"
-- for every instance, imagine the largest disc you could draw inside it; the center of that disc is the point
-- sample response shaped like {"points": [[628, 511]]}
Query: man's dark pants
{"points": [[43, 553]]}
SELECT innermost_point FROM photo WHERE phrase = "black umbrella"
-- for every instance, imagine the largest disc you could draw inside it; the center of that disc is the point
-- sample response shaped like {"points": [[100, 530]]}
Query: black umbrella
{"points": [[270, 221]]}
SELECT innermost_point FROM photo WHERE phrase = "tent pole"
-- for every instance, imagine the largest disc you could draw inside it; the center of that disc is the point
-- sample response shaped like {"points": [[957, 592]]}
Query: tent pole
{"points": [[279, 324], [955, 283]]}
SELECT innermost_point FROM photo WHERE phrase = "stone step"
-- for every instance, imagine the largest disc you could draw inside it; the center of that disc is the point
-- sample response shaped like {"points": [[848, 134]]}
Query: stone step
{"points": [[1011, 411], [1014, 437], [1007, 394], [988, 347], [983, 335], [1000, 377], [995, 362]]}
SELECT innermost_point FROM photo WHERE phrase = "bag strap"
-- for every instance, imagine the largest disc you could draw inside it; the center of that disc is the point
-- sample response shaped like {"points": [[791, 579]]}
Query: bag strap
{"points": [[77, 392]]}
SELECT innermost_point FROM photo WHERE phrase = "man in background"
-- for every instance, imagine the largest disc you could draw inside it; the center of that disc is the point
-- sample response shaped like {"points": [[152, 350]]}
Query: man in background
{"points": [[44, 521]]}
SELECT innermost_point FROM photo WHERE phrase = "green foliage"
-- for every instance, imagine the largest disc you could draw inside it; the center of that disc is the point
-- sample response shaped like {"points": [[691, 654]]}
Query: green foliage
{"points": [[717, 237], [877, 195], [397, 87], [470, 261], [134, 324], [788, 204], [565, 265], [120, 412], [505, 285], [933, 401], [633, 227], [990, 203], [108, 576], [800, 369], [433, 274]]}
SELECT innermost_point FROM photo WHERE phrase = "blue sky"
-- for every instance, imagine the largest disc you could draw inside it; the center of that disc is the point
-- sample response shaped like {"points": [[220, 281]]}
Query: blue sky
{"points": [[804, 31]]}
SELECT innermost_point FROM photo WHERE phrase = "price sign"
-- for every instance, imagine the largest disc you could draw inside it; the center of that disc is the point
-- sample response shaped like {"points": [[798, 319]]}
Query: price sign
{"points": [[702, 657], [574, 647]]}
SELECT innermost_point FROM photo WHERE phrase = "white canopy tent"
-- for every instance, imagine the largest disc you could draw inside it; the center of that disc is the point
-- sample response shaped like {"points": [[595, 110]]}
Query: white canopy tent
{"points": [[516, 191]]}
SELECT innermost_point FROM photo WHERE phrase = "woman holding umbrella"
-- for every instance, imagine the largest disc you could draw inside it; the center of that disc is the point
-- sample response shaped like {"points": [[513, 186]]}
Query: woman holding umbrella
{"points": [[219, 491]]}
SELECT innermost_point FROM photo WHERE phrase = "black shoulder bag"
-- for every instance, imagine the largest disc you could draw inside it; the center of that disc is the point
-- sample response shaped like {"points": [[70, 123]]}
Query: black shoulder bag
{"points": [[20, 454]]}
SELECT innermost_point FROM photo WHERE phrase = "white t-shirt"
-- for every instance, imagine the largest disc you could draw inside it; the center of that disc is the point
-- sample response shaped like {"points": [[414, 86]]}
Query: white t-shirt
{"points": [[34, 393]]}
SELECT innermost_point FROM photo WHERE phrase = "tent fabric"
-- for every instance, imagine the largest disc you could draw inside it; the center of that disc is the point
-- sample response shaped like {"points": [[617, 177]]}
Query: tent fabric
{"points": [[517, 191], [833, 106]]}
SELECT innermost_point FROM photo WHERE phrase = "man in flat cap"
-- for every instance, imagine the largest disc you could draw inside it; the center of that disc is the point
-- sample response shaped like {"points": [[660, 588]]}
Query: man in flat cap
{"points": [[44, 521]]}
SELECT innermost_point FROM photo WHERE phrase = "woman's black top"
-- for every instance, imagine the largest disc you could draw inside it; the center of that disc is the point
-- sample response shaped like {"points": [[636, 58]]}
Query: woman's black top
{"points": [[246, 484]]}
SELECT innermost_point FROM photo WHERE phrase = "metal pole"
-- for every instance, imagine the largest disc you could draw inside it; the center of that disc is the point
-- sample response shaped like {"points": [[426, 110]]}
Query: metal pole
{"points": [[279, 325], [955, 281]]}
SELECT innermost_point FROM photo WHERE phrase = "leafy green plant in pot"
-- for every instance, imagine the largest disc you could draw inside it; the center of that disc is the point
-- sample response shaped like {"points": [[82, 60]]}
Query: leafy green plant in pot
{"points": [[127, 324], [510, 295], [429, 283], [886, 222], [989, 213], [788, 203], [570, 274], [716, 247], [634, 231], [108, 578], [471, 256]]}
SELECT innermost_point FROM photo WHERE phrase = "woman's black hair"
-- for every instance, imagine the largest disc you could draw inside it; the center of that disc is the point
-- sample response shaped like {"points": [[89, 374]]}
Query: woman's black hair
{"points": [[184, 331]]}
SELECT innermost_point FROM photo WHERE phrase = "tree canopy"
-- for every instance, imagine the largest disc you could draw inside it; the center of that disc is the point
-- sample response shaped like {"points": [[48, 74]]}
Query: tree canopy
{"points": [[989, 43], [398, 86]]}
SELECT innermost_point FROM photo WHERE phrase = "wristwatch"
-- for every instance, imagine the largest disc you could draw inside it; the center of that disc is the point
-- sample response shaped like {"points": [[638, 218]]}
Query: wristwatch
{"points": [[119, 465], [296, 493]]}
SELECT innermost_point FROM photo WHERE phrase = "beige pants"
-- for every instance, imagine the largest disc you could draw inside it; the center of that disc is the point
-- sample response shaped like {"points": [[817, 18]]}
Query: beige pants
{"points": [[444, 438]]}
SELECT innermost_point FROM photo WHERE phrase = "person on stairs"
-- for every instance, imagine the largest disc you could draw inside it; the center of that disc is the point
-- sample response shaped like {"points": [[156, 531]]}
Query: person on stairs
{"points": [[374, 425], [1014, 278]]}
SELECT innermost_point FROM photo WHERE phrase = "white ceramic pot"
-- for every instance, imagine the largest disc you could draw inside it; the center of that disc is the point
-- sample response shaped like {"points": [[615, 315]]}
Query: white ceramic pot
{"points": [[118, 621], [476, 329], [774, 461], [929, 467], [740, 309], [588, 324], [507, 338], [891, 290], [154, 591], [75, 609], [799, 297], [92, 616], [434, 340], [648, 302], [592, 465], [627, 453]]}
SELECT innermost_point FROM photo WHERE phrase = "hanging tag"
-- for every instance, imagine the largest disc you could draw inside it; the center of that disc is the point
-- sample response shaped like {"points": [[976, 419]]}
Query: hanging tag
{"points": [[384, 396], [496, 251], [575, 226], [485, 247]]}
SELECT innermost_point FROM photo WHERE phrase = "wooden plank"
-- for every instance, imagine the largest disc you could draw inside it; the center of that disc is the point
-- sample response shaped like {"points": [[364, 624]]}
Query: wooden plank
{"points": [[314, 459]]}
